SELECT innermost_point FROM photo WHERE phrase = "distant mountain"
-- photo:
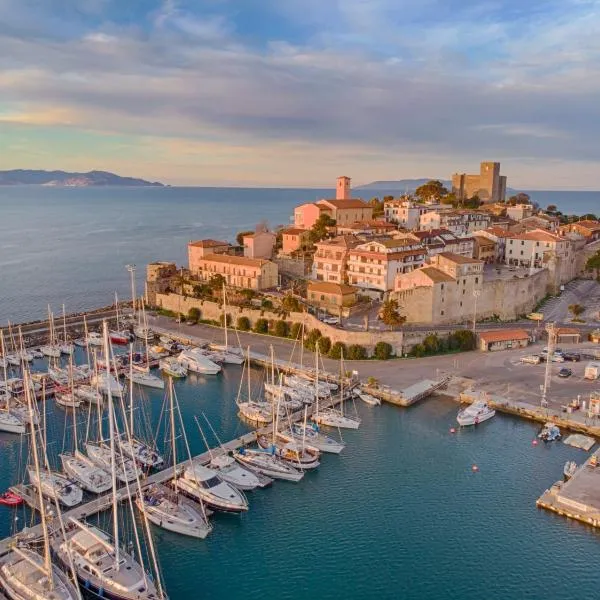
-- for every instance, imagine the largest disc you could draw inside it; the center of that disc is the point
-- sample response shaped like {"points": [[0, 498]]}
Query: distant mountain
{"points": [[401, 184], [66, 179]]}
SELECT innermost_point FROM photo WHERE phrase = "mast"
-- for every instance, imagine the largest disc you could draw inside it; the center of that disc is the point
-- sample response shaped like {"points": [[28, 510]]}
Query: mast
{"points": [[4, 365], [317, 380], [131, 269], [272, 365], [113, 470], [131, 389], [249, 386], [173, 441], [203, 437], [342, 383], [87, 345], [225, 317]]}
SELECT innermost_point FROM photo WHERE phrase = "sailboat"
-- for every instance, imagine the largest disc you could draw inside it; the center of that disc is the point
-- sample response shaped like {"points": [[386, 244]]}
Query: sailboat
{"points": [[332, 416], [172, 367], [266, 463], [66, 347], [228, 354], [27, 575], [260, 413], [51, 349], [119, 336], [9, 422], [141, 330], [104, 568], [166, 507]]}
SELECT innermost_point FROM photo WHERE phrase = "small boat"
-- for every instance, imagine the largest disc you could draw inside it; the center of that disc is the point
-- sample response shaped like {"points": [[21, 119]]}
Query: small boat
{"points": [[35, 352], [56, 486], [311, 435], [66, 348], [569, 469], [14, 360], [291, 452], [87, 393], [172, 367], [549, 433], [168, 510], [107, 384], [11, 423], [87, 474], [143, 333], [268, 464], [368, 399], [67, 399], [231, 472], [3, 362], [82, 343], [204, 484], [475, 413], [197, 362], [94, 339], [333, 418], [260, 413], [10, 499], [146, 379], [120, 338]]}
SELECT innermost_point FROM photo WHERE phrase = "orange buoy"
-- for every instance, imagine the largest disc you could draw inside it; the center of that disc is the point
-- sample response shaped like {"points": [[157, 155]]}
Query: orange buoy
{"points": [[474, 468], [452, 430]]}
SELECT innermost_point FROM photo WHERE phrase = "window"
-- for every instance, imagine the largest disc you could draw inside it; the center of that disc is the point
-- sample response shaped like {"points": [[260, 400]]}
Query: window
{"points": [[442, 286], [476, 279], [461, 303], [442, 313]]}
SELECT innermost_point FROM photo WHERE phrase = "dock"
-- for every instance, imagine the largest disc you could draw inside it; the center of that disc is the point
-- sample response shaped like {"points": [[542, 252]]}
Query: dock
{"points": [[579, 497], [410, 395]]}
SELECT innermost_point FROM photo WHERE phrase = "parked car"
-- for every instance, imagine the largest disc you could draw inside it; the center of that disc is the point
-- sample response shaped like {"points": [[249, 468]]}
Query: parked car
{"points": [[331, 320], [532, 359], [564, 372], [556, 350], [572, 357]]}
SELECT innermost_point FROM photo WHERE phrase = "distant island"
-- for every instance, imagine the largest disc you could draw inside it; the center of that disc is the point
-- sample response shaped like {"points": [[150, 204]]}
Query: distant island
{"points": [[401, 184], [67, 179]]}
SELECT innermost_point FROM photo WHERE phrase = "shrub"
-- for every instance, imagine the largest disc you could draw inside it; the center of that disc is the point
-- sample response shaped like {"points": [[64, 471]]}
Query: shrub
{"points": [[261, 326], [281, 329], [291, 303], [310, 340], [418, 351], [462, 339], [295, 330], [324, 344], [194, 314], [357, 352], [243, 324], [228, 319], [383, 351], [266, 304], [432, 344], [337, 350]]}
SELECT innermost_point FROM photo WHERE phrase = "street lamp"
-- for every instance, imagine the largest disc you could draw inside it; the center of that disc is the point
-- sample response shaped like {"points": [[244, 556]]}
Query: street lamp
{"points": [[476, 294]]}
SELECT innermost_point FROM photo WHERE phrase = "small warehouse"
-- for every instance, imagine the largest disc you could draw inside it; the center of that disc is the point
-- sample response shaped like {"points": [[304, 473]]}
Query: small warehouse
{"points": [[568, 335], [503, 339]]}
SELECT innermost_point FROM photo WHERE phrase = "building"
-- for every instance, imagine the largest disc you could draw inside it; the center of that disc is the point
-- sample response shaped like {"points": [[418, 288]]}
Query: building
{"points": [[504, 339], [201, 248], [306, 215], [259, 244], [535, 248], [406, 213], [590, 230], [346, 212], [367, 228], [374, 265], [498, 235], [331, 258], [519, 211], [443, 240], [459, 222], [488, 186], [539, 221], [484, 248], [330, 296], [294, 239], [238, 271]]}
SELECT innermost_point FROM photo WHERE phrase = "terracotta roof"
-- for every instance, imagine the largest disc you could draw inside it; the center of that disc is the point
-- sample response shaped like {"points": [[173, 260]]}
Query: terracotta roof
{"points": [[567, 331], [235, 260], [373, 224], [592, 225], [537, 235], [341, 241], [350, 203], [208, 243], [253, 235], [459, 259], [328, 287], [482, 240], [498, 231], [294, 231], [503, 335], [434, 274]]}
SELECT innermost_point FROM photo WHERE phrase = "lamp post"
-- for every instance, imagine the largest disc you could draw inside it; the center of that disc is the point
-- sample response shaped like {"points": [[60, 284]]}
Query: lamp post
{"points": [[476, 294], [551, 329]]}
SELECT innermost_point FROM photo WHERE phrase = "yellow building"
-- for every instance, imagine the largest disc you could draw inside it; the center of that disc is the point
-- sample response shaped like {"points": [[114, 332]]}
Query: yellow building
{"points": [[238, 271], [330, 296], [199, 249], [346, 212]]}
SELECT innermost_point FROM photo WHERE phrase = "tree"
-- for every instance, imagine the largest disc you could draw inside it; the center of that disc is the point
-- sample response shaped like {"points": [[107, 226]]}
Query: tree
{"points": [[216, 282], [194, 314], [390, 314], [295, 331], [243, 324], [261, 326], [310, 341], [337, 350], [593, 264], [320, 228], [324, 344], [576, 310], [520, 198], [202, 290], [551, 208], [589, 217], [180, 282], [228, 321], [473, 202], [377, 206], [372, 382], [266, 304], [248, 294], [291, 303], [239, 238], [383, 351], [281, 328], [462, 339], [432, 190], [357, 352], [431, 344]]}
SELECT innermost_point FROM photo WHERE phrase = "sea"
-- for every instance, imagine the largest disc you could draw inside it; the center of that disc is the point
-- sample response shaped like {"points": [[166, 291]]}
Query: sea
{"points": [[71, 245], [399, 514]]}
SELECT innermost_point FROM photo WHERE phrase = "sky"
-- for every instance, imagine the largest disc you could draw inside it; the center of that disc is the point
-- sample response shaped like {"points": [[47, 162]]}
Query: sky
{"points": [[297, 92]]}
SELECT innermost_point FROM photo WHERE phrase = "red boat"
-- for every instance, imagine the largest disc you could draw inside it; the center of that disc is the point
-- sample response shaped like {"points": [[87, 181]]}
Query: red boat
{"points": [[10, 499], [121, 338]]}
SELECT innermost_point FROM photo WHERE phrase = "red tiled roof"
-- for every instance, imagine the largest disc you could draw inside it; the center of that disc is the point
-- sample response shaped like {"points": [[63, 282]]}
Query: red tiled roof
{"points": [[208, 243], [503, 335], [340, 204]]}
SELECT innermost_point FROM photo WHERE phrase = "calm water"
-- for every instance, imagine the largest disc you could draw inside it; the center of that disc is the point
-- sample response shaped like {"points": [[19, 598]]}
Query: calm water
{"points": [[399, 514], [70, 245]]}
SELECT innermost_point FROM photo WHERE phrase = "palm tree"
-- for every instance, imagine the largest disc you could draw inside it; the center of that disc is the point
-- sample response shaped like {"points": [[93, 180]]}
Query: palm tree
{"points": [[576, 310]]}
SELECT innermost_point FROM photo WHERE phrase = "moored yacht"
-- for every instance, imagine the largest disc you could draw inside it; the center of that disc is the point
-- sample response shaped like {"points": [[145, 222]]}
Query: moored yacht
{"points": [[291, 452], [311, 435], [172, 367], [87, 393], [333, 418], [268, 464], [100, 454], [145, 379], [231, 472], [67, 399], [56, 486], [475, 413], [141, 453], [197, 362], [11, 423], [260, 413], [85, 472], [107, 384]]}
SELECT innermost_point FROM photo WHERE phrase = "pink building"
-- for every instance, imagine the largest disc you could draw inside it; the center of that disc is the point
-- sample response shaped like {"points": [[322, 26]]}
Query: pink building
{"points": [[293, 238], [306, 215], [259, 244]]}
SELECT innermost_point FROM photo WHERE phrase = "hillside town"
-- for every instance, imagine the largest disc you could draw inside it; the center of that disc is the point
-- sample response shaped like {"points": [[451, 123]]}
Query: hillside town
{"points": [[437, 257]]}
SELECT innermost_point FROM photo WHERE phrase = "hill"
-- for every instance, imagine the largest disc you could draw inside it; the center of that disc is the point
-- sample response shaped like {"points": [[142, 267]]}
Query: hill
{"points": [[68, 179]]}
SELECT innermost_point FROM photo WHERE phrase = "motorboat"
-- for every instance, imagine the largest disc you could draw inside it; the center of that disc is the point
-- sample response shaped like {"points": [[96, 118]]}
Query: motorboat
{"points": [[475, 413], [143, 333], [172, 367], [107, 384], [260, 413], [291, 452], [368, 399], [569, 469], [197, 362], [14, 360], [170, 511], [204, 484], [333, 418], [120, 338], [94, 339], [11, 423], [146, 379], [11, 499], [67, 399], [297, 382], [100, 454], [62, 375], [88, 393], [143, 454], [266, 463], [230, 471], [294, 396], [80, 342], [550, 433], [35, 352], [311, 435], [56, 486], [51, 350], [22, 412], [85, 472], [24, 576], [228, 357], [93, 555]]}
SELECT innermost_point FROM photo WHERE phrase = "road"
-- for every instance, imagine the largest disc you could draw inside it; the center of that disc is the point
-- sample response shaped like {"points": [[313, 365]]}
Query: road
{"points": [[581, 291]]}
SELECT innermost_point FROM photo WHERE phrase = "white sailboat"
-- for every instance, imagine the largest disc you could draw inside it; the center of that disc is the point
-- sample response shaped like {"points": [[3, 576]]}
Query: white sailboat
{"points": [[94, 339], [87, 393], [260, 413], [266, 463], [100, 454], [312, 436], [56, 486], [9, 422], [107, 384], [67, 399], [146, 379], [227, 353], [65, 346]]}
